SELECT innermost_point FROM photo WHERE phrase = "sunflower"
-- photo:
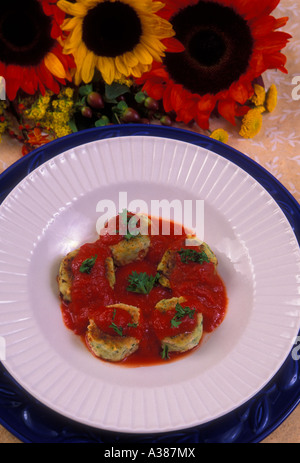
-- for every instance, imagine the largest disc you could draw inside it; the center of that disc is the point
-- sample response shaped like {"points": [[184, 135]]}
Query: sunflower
{"points": [[120, 38], [228, 45], [31, 56]]}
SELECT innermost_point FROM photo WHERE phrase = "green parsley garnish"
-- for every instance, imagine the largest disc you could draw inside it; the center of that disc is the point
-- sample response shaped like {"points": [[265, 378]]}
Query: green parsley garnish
{"points": [[130, 222], [117, 329], [88, 264], [142, 282], [191, 255], [165, 352], [181, 312], [132, 325]]}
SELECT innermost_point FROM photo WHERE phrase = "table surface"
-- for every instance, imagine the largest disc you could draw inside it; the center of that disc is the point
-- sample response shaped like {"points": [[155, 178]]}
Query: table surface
{"points": [[276, 148]]}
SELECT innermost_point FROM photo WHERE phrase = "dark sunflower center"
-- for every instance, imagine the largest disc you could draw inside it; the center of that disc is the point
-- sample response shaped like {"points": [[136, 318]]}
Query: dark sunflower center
{"points": [[218, 47], [111, 29], [25, 33], [207, 47]]}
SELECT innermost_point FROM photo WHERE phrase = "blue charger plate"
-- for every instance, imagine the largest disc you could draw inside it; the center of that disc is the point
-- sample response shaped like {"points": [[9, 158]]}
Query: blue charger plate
{"points": [[32, 422]]}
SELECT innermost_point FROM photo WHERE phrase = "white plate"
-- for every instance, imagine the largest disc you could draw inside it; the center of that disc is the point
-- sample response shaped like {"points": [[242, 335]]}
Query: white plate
{"points": [[53, 210]]}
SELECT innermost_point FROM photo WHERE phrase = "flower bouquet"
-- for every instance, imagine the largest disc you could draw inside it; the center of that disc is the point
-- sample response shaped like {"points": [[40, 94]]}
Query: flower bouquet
{"points": [[77, 64]]}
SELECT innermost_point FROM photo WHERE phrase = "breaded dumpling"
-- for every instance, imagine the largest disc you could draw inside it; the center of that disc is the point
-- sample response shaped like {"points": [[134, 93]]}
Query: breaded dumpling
{"points": [[65, 276], [127, 251], [113, 348], [201, 246], [168, 261], [184, 341], [110, 272]]}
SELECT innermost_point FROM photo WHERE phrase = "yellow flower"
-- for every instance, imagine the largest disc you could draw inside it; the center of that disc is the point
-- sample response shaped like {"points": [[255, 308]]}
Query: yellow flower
{"points": [[271, 98], [38, 110], [259, 95], [220, 135], [3, 127], [120, 38], [252, 122], [3, 106], [68, 92]]}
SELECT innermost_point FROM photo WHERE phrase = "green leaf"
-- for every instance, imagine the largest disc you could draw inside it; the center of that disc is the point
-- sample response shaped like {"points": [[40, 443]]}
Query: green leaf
{"points": [[122, 105], [191, 255], [132, 325], [130, 221], [181, 312], [165, 352], [73, 126], [117, 329], [85, 90], [103, 121], [88, 264], [142, 283], [113, 91]]}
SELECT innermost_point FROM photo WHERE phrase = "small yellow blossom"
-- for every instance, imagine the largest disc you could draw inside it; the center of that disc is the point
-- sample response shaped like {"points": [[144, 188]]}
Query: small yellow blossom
{"points": [[3, 106], [220, 135], [38, 110], [271, 98], [259, 95], [125, 81], [3, 127], [252, 123], [68, 92], [53, 112]]}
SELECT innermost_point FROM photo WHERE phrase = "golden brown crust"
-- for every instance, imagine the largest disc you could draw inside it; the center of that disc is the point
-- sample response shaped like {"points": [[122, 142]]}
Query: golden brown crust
{"points": [[113, 348], [127, 251], [65, 276]]}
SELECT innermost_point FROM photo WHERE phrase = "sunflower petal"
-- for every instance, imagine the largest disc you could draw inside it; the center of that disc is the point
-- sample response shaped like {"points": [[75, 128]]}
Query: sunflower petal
{"points": [[54, 65], [121, 66], [88, 67], [107, 68], [74, 9], [130, 59], [143, 54]]}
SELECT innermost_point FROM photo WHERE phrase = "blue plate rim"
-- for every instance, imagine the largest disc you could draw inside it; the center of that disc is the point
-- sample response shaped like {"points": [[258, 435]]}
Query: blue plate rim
{"points": [[250, 423]]}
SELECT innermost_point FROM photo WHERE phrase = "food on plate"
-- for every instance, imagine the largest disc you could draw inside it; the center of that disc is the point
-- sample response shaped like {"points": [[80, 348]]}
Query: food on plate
{"points": [[141, 298], [128, 251], [65, 276], [178, 326], [110, 272], [200, 252], [114, 333]]}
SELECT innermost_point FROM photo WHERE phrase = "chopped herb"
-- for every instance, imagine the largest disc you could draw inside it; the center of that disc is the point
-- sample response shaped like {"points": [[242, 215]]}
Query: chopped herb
{"points": [[191, 255], [130, 222], [124, 216], [114, 314], [132, 325], [142, 282], [165, 352], [117, 329], [181, 312], [88, 264]]}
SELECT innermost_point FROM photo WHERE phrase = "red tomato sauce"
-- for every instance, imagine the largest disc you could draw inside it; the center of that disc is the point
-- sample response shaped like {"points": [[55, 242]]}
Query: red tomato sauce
{"points": [[200, 284]]}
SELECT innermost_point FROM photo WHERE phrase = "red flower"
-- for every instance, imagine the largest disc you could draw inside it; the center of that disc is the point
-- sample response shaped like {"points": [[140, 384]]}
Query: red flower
{"points": [[31, 56], [36, 138], [228, 44]]}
